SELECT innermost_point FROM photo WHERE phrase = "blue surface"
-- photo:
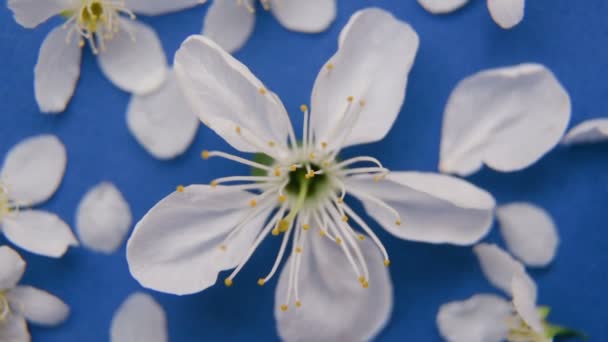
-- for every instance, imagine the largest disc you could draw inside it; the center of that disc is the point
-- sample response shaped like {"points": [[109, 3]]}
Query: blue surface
{"points": [[570, 37]]}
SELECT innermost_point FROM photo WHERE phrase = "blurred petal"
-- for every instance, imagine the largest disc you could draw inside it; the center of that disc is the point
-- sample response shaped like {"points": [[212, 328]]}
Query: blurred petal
{"points": [[524, 301], [229, 23], [31, 13], [507, 13], [38, 306], [12, 267], [442, 6], [14, 329], [588, 132], [156, 7], [498, 266], [311, 16], [139, 319]]}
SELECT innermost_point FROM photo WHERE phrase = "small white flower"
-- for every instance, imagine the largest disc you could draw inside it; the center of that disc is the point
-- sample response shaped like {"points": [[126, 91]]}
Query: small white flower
{"points": [[129, 52], [182, 244], [139, 319], [230, 22], [21, 303], [506, 13], [30, 175], [588, 132]]}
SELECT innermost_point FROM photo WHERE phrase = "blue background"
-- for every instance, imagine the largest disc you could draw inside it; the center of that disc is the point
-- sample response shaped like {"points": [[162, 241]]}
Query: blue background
{"points": [[570, 37]]}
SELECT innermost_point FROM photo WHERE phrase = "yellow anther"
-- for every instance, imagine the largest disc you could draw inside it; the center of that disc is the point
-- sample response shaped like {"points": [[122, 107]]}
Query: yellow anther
{"points": [[283, 226], [387, 262], [304, 108], [298, 304], [326, 163], [345, 218], [329, 66], [275, 232], [180, 188], [277, 172], [350, 99], [253, 203], [306, 226], [361, 237], [223, 248], [262, 91], [361, 279], [228, 282], [340, 201], [377, 178], [310, 174], [271, 143], [238, 129], [398, 222], [322, 232], [298, 250], [324, 144], [205, 154], [284, 307], [261, 282], [311, 156], [362, 103], [214, 183], [365, 284], [338, 241], [282, 198], [292, 168]]}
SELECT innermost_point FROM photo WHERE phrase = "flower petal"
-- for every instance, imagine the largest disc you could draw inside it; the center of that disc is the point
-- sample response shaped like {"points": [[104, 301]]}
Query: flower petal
{"points": [[587, 132], [31, 13], [103, 218], [442, 6], [311, 16], [498, 266], [507, 118], [334, 305], [39, 232], [162, 122], [372, 65], [12, 267], [434, 208], [481, 318], [529, 232], [139, 319], [230, 99], [57, 71], [229, 23], [14, 329], [507, 13], [524, 301], [134, 59], [156, 7], [38, 306], [175, 248], [33, 169]]}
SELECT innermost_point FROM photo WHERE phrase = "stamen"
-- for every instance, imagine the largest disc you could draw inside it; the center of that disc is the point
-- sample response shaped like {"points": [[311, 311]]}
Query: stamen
{"points": [[380, 203], [351, 161], [279, 256], [367, 230]]}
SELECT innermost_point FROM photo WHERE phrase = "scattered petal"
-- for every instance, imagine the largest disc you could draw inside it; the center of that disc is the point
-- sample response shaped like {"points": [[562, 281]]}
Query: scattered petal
{"points": [[139, 319], [588, 132], [157, 7], [507, 13], [524, 301], [229, 23], [12, 267], [31, 13], [311, 16], [38, 306], [498, 266], [442, 6]]}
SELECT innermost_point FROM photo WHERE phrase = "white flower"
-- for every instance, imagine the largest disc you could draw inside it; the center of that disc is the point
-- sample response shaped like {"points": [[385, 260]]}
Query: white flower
{"points": [[182, 243], [32, 172], [129, 52], [230, 22], [139, 319], [506, 13], [588, 132], [21, 303]]}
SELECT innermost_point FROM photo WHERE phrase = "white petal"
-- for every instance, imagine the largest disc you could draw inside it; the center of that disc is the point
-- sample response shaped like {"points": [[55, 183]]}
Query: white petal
{"points": [[524, 301], [175, 248], [588, 132], [498, 266], [103, 218], [229, 98], [33, 169], [139, 319], [156, 7], [162, 122], [335, 307], [529, 232], [134, 59], [434, 208], [12, 267], [507, 118], [442, 6], [481, 318], [372, 64], [57, 71], [38, 306], [311, 16], [229, 23], [507, 13], [39, 232], [31, 13], [14, 329]]}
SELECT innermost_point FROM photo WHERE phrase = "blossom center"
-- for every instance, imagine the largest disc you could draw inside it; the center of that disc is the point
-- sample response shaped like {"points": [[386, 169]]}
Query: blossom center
{"points": [[300, 178]]}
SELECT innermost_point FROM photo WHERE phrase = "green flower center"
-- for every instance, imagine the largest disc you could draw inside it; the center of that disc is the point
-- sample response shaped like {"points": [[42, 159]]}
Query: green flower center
{"points": [[314, 185]]}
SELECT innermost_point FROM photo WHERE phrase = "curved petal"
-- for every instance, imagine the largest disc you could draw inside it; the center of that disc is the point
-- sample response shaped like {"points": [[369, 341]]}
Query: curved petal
{"points": [[31, 13], [57, 71], [175, 248], [334, 305], [14, 329], [33, 169], [587, 132], [162, 122], [524, 301], [433, 208], [310, 16], [103, 218], [39, 232], [12, 267], [139, 319], [134, 59], [498, 266], [529, 232], [507, 13], [372, 65], [507, 118], [230, 99], [481, 318], [442, 6], [157, 7], [229, 23], [38, 306]]}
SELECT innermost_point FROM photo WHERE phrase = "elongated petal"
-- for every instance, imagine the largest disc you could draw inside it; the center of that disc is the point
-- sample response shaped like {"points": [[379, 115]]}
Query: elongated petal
{"points": [[524, 301], [156, 7], [507, 13], [162, 122], [372, 65], [12, 267], [33, 169], [139, 319], [433, 208], [311, 16], [38, 306], [442, 6], [175, 248], [39, 232], [588, 132], [507, 118], [334, 305], [229, 98], [498, 266], [57, 71], [481, 318], [103, 218], [529, 232], [229, 23], [31, 13], [14, 329], [134, 59]]}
